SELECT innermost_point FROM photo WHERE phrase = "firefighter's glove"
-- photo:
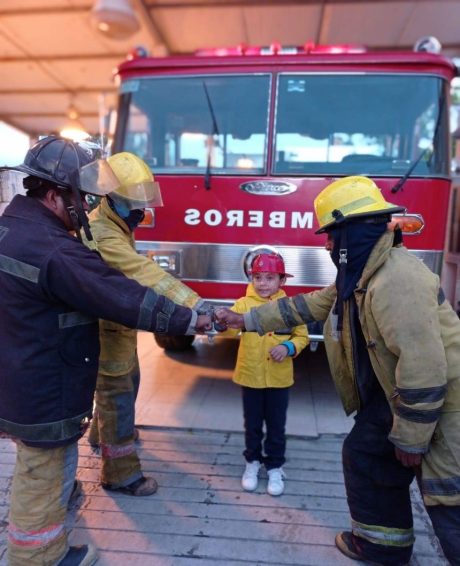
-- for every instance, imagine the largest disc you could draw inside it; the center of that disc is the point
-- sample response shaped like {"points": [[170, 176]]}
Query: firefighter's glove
{"points": [[408, 459]]}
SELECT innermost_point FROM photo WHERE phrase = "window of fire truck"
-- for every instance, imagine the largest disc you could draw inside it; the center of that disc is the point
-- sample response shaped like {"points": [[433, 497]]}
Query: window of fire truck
{"points": [[368, 124], [175, 127]]}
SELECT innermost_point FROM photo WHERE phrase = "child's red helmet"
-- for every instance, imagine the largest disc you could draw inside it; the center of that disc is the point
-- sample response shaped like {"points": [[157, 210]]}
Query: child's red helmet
{"points": [[272, 263]]}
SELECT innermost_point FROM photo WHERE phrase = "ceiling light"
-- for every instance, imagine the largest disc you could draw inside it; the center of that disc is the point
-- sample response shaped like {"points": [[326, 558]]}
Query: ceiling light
{"points": [[114, 18], [73, 130]]}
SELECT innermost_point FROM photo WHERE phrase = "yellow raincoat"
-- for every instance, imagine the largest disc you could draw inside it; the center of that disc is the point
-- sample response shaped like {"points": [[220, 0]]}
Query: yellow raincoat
{"points": [[254, 366]]}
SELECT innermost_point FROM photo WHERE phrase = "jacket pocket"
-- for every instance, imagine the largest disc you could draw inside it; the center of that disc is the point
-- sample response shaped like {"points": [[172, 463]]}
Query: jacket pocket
{"points": [[79, 339]]}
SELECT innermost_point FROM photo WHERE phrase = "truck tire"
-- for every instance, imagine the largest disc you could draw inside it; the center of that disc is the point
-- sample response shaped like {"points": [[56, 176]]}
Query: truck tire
{"points": [[174, 343]]}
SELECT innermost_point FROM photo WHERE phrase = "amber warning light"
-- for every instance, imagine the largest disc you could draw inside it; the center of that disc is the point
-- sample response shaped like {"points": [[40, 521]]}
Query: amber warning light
{"points": [[409, 224], [149, 218]]}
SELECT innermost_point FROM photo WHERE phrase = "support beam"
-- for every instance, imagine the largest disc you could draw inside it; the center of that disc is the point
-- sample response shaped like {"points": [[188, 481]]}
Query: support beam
{"points": [[42, 10], [81, 90], [154, 5], [46, 114], [120, 56]]}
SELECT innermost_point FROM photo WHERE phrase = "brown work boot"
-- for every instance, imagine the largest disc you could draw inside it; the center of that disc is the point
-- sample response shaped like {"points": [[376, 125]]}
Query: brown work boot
{"points": [[139, 488], [344, 542]]}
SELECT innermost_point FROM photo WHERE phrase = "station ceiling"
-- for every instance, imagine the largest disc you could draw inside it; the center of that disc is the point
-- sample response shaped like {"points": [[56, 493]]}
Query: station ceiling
{"points": [[52, 57]]}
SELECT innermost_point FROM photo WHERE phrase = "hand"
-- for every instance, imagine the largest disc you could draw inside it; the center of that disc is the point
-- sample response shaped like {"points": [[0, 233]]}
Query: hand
{"points": [[408, 459], [203, 323], [226, 317], [278, 353]]}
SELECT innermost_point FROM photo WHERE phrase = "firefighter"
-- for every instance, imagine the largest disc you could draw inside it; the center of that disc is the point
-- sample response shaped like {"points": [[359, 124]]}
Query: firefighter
{"points": [[112, 225], [54, 290], [393, 345]]}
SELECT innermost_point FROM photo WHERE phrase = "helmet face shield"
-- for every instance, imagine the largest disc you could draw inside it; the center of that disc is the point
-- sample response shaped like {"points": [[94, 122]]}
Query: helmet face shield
{"points": [[97, 178], [137, 186], [139, 195]]}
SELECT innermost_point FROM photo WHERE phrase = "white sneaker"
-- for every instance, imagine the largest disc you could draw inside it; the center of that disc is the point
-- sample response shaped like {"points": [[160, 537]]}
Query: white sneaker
{"points": [[275, 481], [250, 477]]}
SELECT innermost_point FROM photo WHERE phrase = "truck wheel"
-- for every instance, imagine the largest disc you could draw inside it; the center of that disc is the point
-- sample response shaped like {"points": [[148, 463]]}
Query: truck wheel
{"points": [[174, 343]]}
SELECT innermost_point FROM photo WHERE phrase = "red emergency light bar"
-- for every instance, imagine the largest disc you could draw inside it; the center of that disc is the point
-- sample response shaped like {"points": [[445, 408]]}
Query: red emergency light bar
{"points": [[278, 49]]}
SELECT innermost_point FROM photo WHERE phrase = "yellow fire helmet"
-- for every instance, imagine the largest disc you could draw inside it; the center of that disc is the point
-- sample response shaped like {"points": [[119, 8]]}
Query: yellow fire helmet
{"points": [[350, 198], [138, 188]]}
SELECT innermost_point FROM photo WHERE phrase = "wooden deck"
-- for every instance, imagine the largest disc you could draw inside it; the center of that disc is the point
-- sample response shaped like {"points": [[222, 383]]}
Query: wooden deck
{"points": [[200, 513]]}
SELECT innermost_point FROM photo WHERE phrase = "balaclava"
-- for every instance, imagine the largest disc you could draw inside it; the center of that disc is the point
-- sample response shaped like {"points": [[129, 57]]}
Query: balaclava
{"points": [[353, 242]]}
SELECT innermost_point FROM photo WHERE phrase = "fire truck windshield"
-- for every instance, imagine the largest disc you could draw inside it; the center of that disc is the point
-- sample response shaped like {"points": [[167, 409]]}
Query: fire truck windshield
{"points": [[170, 124], [331, 123]]}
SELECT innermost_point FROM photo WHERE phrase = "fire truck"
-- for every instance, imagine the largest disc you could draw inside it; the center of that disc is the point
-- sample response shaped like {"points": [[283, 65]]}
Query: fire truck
{"points": [[242, 140]]}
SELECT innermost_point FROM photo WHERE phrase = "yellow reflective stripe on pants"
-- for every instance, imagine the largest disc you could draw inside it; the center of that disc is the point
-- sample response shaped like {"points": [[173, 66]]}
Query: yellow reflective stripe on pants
{"points": [[42, 483], [386, 536]]}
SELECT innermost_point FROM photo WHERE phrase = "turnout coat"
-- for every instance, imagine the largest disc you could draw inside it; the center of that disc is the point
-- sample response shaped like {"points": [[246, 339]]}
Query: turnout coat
{"points": [[54, 290], [413, 340], [115, 242]]}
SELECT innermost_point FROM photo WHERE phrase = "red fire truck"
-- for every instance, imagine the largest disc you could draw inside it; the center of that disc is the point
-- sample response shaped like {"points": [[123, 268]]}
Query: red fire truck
{"points": [[242, 140]]}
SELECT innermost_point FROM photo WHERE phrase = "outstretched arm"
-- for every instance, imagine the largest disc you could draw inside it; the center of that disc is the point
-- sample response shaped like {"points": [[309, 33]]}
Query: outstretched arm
{"points": [[229, 319]]}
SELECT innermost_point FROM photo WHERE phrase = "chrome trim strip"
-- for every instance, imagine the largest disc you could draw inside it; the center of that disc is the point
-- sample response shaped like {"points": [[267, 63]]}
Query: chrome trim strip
{"points": [[224, 263]]}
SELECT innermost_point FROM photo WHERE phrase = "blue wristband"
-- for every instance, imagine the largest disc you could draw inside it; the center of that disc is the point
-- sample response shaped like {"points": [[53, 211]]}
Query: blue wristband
{"points": [[290, 347]]}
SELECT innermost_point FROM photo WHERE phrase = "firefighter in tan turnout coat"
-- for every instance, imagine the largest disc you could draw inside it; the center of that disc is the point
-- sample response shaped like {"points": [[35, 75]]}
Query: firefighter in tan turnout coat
{"points": [[393, 345], [112, 224]]}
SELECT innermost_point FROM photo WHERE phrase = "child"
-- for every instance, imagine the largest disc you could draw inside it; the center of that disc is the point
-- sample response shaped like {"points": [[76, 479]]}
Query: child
{"points": [[264, 369]]}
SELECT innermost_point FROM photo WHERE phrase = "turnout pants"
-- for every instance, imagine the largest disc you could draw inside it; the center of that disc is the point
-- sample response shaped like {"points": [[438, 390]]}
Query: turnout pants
{"points": [[377, 487], [113, 428], [42, 483], [446, 525]]}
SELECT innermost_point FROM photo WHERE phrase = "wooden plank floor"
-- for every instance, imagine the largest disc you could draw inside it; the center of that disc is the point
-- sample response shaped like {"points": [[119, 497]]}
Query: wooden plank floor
{"points": [[200, 514]]}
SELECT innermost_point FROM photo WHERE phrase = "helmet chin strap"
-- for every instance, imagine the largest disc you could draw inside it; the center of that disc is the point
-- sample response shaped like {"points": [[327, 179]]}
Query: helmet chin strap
{"points": [[76, 212], [340, 281], [74, 219]]}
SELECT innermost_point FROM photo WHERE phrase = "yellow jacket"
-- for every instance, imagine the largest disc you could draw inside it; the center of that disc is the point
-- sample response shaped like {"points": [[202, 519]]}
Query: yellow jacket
{"points": [[115, 242], [254, 366], [413, 340]]}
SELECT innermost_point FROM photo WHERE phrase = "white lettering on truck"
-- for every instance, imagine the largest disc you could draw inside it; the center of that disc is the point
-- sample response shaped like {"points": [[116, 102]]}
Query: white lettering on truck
{"points": [[251, 218]]}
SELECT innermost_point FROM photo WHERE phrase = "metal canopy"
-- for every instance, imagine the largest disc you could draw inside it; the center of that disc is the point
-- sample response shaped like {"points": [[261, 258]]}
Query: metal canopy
{"points": [[52, 57]]}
